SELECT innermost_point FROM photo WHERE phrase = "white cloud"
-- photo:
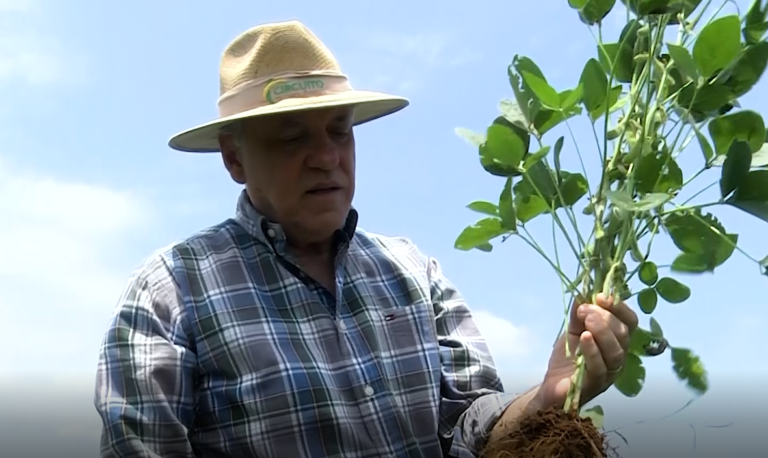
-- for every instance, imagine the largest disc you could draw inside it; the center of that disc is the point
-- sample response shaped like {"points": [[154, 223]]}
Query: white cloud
{"points": [[59, 233], [404, 61], [424, 49], [516, 351], [17, 6], [505, 340], [63, 263], [32, 57]]}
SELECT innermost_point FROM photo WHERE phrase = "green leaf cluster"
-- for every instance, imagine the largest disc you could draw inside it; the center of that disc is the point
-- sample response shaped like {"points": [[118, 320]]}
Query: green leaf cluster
{"points": [[685, 364], [650, 100]]}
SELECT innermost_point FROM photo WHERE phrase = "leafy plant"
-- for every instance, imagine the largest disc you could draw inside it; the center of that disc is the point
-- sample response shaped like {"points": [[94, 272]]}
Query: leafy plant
{"points": [[648, 97]]}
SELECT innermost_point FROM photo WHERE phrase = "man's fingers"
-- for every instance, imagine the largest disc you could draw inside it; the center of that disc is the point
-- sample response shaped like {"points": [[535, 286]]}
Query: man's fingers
{"points": [[592, 357], [621, 311], [610, 335], [623, 320]]}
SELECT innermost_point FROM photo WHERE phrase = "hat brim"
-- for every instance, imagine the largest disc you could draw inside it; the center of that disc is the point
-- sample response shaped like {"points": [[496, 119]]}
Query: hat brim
{"points": [[368, 106]]}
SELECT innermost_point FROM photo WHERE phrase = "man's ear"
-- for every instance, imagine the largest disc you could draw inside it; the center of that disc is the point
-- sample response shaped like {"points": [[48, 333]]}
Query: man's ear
{"points": [[230, 154]]}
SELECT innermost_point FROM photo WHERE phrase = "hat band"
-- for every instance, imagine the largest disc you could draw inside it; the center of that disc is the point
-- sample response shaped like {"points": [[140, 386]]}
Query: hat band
{"points": [[259, 94]]}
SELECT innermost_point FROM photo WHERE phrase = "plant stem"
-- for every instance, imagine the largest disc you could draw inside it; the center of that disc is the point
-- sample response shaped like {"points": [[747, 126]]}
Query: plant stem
{"points": [[581, 158], [610, 249], [532, 243], [693, 177], [568, 210], [679, 209]]}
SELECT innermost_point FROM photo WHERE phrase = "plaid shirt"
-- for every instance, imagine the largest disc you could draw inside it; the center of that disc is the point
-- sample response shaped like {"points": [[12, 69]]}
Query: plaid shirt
{"points": [[222, 347]]}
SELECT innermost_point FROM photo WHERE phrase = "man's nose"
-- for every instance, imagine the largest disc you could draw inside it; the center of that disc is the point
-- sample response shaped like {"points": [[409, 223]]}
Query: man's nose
{"points": [[324, 153]]}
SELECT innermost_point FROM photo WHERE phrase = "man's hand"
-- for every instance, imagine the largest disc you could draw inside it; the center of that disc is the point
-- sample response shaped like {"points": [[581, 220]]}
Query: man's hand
{"points": [[603, 330]]}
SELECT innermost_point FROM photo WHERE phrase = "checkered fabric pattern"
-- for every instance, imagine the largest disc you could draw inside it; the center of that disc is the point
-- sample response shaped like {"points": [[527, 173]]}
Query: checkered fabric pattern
{"points": [[222, 347]]}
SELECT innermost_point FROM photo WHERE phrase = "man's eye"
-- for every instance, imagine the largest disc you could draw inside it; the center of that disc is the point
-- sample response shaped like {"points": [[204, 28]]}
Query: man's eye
{"points": [[292, 139]]}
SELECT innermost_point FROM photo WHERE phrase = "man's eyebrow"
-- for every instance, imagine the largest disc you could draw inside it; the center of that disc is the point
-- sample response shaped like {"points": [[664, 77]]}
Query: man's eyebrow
{"points": [[288, 122], [344, 118]]}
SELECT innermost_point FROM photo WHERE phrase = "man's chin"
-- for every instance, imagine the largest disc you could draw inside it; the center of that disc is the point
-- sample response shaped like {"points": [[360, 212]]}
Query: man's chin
{"points": [[321, 225], [330, 221]]}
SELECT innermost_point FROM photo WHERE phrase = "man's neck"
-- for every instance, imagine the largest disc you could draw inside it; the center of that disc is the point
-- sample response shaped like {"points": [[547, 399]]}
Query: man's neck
{"points": [[317, 260], [317, 252]]}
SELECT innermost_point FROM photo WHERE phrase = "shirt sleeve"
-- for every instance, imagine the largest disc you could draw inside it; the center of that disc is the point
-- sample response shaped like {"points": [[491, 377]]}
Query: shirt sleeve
{"points": [[472, 394], [145, 375]]}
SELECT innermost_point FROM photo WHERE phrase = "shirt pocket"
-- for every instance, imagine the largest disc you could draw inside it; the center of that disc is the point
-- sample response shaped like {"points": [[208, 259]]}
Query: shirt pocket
{"points": [[405, 333]]}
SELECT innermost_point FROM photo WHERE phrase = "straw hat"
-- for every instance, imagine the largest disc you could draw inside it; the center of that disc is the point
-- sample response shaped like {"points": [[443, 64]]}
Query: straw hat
{"points": [[278, 68]]}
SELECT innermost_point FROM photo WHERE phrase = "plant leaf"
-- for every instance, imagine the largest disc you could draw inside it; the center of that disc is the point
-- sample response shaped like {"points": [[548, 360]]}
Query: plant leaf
{"points": [[717, 45], [485, 247], [735, 167], [764, 265], [672, 290], [592, 11], [596, 414], [755, 24], [473, 138], [704, 101], [535, 157], [704, 242], [658, 7], [639, 340], [748, 69], [656, 328], [511, 111], [647, 300], [529, 206], [632, 377], [507, 207], [745, 125], [558, 150], [684, 61], [479, 234], [499, 157], [503, 146], [486, 208], [547, 119], [573, 187], [706, 148], [547, 95], [648, 202], [689, 368], [594, 86], [538, 181], [617, 59], [648, 273], [569, 98], [751, 194], [612, 103], [658, 173], [760, 158]]}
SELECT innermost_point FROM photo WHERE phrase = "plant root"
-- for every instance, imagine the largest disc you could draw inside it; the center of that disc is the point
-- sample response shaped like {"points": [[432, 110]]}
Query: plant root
{"points": [[551, 433]]}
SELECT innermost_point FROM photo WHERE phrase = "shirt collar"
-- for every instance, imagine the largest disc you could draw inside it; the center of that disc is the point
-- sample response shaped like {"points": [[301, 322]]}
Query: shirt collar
{"points": [[272, 234]]}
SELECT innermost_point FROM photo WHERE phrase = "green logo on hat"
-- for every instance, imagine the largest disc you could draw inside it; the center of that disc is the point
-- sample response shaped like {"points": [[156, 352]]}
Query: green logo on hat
{"points": [[281, 89]]}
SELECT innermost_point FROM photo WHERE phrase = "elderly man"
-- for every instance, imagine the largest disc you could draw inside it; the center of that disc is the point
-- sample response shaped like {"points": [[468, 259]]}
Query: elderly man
{"points": [[289, 332]]}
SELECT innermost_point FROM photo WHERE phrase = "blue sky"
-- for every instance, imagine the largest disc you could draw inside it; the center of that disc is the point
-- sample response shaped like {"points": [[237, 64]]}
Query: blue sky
{"points": [[91, 91]]}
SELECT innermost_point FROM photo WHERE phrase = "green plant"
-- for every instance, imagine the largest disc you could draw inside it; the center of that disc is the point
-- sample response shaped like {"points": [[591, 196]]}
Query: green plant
{"points": [[649, 96]]}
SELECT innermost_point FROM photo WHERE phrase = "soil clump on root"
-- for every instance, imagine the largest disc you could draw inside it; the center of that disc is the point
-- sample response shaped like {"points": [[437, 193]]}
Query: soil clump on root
{"points": [[551, 433]]}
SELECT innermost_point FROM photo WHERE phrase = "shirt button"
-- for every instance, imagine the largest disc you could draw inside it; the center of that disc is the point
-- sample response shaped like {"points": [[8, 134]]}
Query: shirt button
{"points": [[368, 390], [342, 326], [271, 232]]}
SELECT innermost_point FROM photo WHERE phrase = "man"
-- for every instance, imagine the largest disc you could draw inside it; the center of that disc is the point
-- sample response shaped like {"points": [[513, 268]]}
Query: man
{"points": [[289, 332]]}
